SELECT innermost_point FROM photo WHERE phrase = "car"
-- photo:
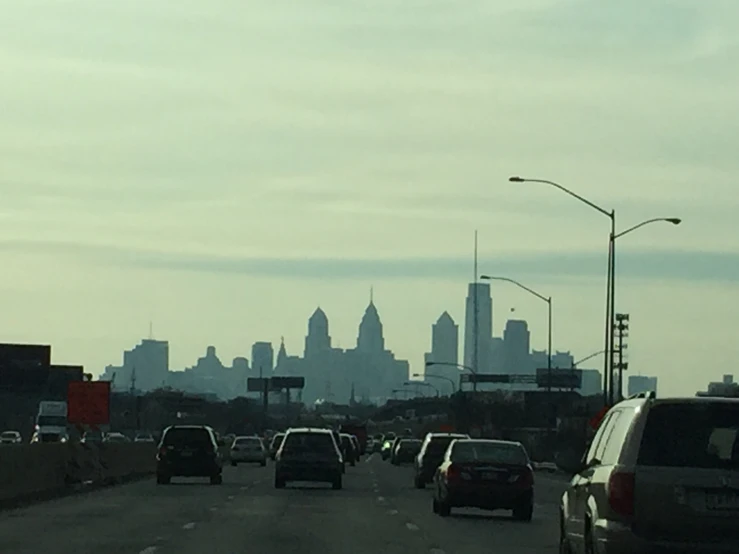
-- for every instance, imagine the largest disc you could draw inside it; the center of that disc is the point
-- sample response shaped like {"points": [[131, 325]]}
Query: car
{"points": [[189, 451], [386, 449], [357, 446], [486, 474], [309, 454], [659, 475], [10, 437], [275, 443], [248, 450], [405, 451], [349, 451], [431, 455]]}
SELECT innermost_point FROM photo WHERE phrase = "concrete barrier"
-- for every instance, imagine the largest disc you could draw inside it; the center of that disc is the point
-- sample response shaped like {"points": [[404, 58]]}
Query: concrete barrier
{"points": [[38, 471]]}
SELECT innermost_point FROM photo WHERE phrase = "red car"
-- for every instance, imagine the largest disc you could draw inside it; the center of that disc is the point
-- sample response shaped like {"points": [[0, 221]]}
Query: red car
{"points": [[485, 474]]}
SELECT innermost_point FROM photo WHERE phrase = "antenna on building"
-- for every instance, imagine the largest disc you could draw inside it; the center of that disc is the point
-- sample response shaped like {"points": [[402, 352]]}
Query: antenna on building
{"points": [[372, 294], [151, 330], [475, 276], [476, 323]]}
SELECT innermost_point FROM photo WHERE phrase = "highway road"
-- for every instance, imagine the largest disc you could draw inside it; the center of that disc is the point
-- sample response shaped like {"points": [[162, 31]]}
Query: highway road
{"points": [[378, 511]]}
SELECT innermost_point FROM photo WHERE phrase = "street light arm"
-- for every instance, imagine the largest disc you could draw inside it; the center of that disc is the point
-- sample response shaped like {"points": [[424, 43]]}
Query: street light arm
{"points": [[458, 366], [565, 190], [527, 289], [673, 220], [586, 358]]}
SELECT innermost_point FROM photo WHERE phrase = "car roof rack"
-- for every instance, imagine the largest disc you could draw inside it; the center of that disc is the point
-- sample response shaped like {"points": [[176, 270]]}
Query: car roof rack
{"points": [[650, 395]]}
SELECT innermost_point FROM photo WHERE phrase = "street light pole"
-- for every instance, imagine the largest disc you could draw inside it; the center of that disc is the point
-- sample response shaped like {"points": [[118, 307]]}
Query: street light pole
{"points": [[609, 278], [458, 366], [548, 300], [451, 381]]}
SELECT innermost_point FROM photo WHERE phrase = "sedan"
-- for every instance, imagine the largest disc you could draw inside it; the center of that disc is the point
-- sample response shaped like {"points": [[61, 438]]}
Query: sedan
{"points": [[485, 474]]}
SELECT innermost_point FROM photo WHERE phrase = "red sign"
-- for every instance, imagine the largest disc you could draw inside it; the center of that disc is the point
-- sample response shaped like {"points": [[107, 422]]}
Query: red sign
{"points": [[88, 403]]}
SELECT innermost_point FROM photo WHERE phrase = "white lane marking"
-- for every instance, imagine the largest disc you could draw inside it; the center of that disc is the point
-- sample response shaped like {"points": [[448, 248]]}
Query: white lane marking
{"points": [[381, 499], [411, 526], [244, 488], [231, 497], [392, 512], [149, 550], [436, 551], [214, 508], [189, 526]]}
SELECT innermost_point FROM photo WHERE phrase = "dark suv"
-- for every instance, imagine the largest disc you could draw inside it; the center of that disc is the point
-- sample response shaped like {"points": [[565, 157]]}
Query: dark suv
{"points": [[308, 454], [189, 451], [431, 455]]}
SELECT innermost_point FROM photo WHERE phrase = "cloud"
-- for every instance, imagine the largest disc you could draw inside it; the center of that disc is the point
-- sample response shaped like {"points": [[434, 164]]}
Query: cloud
{"points": [[719, 267]]}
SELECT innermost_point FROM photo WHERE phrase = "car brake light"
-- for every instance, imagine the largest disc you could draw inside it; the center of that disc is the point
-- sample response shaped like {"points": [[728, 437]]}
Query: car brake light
{"points": [[453, 473], [162, 451], [527, 478], [621, 487]]}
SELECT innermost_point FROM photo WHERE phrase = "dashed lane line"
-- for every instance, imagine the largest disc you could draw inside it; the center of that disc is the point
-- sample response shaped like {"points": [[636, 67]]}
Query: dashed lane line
{"points": [[149, 550], [412, 526], [188, 526]]}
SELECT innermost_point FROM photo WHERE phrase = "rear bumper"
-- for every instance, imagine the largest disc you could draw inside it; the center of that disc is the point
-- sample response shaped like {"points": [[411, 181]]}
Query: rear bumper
{"points": [[189, 469], [490, 497], [616, 538], [318, 473], [251, 457]]}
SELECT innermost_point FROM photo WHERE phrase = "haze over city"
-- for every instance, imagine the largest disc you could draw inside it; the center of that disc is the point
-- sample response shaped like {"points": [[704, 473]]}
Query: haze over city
{"points": [[220, 170]]}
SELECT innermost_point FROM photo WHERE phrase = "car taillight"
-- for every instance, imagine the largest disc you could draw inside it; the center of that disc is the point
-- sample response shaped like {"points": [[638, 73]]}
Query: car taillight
{"points": [[621, 486], [526, 479], [453, 473], [162, 452]]}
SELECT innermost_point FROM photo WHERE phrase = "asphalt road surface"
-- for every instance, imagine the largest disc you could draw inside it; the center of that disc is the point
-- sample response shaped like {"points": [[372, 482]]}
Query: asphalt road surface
{"points": [[377, 511]]}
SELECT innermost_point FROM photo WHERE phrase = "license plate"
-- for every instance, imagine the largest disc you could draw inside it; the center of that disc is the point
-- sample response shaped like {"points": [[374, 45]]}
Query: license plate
{"points": [[187, 454], [722, 501], [490, 476]]}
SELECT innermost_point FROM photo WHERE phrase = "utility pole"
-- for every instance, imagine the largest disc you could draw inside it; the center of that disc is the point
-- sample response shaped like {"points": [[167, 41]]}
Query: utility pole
{"points": [[476, 324], [622, 332]]}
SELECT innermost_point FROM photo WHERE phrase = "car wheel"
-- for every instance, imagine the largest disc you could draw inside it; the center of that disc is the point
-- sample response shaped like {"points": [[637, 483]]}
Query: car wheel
{"points": [[419, 483], [234, 464], [162, 479], [444, 509], [524, 512], [279, 482], [216, 479], [564, 543], [434, 506], [337, 483], [263, 463]]}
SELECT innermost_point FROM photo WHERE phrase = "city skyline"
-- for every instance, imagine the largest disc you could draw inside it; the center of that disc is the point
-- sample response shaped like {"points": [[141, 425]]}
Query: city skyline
{"points": [[224, 178]]}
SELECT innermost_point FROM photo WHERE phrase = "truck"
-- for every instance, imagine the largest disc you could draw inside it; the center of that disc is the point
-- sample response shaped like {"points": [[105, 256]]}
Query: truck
{"points": [[359, 430], [51, 422]]}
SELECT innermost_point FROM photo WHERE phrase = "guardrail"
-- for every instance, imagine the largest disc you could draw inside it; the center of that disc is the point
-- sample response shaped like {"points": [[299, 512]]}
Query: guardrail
{"points": [[39, 471]]}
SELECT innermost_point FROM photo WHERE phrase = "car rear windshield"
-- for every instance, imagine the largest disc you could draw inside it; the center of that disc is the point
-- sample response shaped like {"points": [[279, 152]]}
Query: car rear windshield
{"points": [[277, 439], [8, 434], [698, 435], [244, 441], [187, 437], [438, 445], [489, 452], [410, 444], [309, 442]]}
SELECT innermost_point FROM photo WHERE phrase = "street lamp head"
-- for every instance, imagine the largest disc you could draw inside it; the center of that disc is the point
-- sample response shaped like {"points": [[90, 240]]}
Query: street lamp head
{"points": [[485, 277], [516, 179], [416, 375], [674, 220], [429, 364]]}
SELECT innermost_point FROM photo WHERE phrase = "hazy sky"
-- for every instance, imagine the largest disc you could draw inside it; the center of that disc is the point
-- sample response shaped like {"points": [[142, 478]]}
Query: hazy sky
{"points": [[221, 168]]}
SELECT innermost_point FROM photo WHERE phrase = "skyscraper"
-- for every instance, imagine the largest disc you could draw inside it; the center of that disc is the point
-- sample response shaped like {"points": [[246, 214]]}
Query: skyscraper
{"points": [[445, 350], [370, 338], [262, 358], [479, 306], [318, 340], [517, 347]]}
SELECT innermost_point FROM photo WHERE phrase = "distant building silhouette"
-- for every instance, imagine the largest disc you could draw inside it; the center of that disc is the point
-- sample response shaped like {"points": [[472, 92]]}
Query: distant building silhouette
{"points": [[318, 339], [516, 347], [262, 358], [444, 350], [483, 310]]}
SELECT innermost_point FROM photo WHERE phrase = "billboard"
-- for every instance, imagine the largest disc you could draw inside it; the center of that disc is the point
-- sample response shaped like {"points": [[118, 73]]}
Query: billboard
{"points": [[24, 367], [280, 383], [256, 384], [88, 402], [560, 378]]}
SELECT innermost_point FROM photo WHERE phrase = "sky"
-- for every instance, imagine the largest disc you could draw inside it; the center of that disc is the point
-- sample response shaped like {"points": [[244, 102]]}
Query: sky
{"points": [[219, 169]]}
